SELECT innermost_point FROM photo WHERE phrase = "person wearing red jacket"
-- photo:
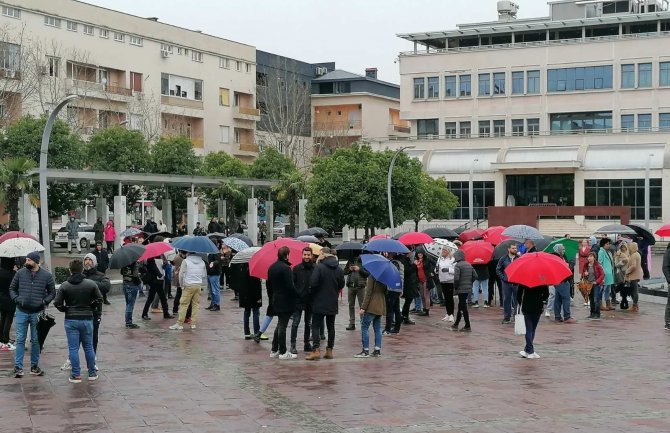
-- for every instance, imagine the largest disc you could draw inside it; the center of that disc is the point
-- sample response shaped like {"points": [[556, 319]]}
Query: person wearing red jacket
{"points": [[594, 273]]}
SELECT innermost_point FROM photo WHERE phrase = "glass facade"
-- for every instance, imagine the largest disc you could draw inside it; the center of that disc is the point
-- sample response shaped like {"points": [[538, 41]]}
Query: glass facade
{"points": [[517, 83], [465, 129], [533, 126], [426, 127], [664, 74], [576, 79], [532, 189], [627, 76], [483, 195], [450, 86], [590, 121], [450, 129], [627, 122], [484, 84], [644, 75], [484, 128], [533, 82], [644, 122], [499, 83], [624, 192], [664, 121], [465, 85], [419, 88], [433, 87], [498, 128], [517, 127]]}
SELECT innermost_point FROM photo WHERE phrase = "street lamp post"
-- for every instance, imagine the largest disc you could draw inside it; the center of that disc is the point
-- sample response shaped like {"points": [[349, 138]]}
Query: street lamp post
{"points": [[471, 194], [646, 191], [388, 184], [44, 204]]}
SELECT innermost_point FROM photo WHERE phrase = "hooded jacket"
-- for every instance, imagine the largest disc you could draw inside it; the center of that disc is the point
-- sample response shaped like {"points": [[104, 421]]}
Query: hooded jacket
{"points": [[192, 271], [325, 284], [375, 298], [634, 269], [301, 277], [77, 297], [6, 276], [464, 274], [72, 228], [355, 278], [103, 283], [32, 291], [280, 287], [110, 232], [101, 259]]}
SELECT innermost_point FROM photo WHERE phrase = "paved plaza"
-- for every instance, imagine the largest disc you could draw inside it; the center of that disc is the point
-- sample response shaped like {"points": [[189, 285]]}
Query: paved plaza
{"points": [[607, 376]]}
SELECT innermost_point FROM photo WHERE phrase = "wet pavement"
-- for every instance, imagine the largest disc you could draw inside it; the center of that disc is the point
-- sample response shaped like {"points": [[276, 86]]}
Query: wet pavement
{"points": [[607, 376]]}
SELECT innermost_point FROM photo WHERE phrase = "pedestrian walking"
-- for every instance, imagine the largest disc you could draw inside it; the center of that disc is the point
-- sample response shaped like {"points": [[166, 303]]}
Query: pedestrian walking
{"points": [[371, 312], [464, 277], [284, 295], [192, 277], [356, 281], [154, 277], [131, 287], [32, 290], [110, 236], [509, 290], [72, 228], [7, 306], [445, 272], [302, 274], [531, 300], [77, 297]]}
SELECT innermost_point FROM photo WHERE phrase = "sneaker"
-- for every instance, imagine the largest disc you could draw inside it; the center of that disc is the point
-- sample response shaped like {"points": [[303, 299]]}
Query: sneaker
{"points": [[92, 377], [263, 337], [486, 304], [351, 328], [4, 347], [408, 321], [445, 318], [451, 318], [74, 379], [547, 313], [376, 353], [466, 329], [248, 337], [364, 354], [288, 355], [66, 365], [176, 327], [132, 326], [193, 326], [274, 354], [506, 321], [533, 356], [386, 333], [11, 346], [18, 372], [476, 304], [294, 350], [36, 371], [523, 354]]}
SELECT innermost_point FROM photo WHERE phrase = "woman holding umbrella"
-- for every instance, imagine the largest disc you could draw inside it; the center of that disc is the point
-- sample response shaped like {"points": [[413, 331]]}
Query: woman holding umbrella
{"points": [[531, 300], [371, 312]]}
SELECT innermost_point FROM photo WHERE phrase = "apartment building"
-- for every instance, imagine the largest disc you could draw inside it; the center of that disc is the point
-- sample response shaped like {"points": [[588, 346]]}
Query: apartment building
{"points": [[151, 76], [572, 109], [347, 108]]}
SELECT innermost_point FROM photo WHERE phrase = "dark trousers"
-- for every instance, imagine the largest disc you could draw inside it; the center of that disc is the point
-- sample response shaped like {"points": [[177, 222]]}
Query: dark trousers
{"points": [[175, 306], [279, 339], [6, 319], [296, 322], [156, 288], [354, 293], [110, 247], [632, 291], [317, 323], [406, 306], [448, 293], [247, 314], [96, 329], [531, 326], [667, 312], [393, 311], [164, 290], [463, 310]]}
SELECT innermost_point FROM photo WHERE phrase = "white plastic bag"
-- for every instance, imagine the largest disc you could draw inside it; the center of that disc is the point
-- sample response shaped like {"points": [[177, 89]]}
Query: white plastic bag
{"points": [[519, 324]]}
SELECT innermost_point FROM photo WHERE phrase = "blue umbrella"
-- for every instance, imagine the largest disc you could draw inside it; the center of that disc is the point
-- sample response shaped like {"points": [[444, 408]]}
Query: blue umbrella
{"points": [[195, 244], [235, 243], [386, 246], [383, 271]]}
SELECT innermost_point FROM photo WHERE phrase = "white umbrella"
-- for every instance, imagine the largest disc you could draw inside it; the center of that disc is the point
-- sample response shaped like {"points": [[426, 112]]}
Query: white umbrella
{"points": [[435, 249], [19, 247], [521, 232], [245, 255]]}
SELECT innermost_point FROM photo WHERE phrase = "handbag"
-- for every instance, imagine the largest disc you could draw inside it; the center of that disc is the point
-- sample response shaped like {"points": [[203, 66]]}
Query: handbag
{"points": [[520, 320]]}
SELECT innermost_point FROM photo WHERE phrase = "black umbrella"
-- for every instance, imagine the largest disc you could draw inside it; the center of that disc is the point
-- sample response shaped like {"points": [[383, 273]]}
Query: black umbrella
{"points": [[441, 233], [643, 233], [397, 235], [247, 240], [45, 322], [501, 249], [218, 235], [349, 246], [313, 231], [126, 255], [542, 244], [152, 237]]}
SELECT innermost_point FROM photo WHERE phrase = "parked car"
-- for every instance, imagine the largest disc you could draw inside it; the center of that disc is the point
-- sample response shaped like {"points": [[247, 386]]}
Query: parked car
{"points": [[86, 236], [279, 229]]}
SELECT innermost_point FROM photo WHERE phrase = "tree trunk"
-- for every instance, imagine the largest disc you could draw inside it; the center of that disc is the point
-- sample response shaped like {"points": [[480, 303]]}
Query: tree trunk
{"points": [[13, 209], [416, 225], [230, 208]]}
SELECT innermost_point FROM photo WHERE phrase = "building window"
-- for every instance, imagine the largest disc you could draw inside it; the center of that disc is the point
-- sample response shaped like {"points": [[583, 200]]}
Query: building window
{"points": [[498, 128], [11, 12], [104, 33], [224, 62], [644, 75], [465, 85], [135, 40], [533, 82], [577, 79], [136, 81], [224, 134], [450, 129], [53, 66], [533, 126], [483, 194], [499, 83], [450, 86], [248, 67], [664, 74], [224, 97], [167, 48], [517, 83], [10, 57], [427, 128], [484, 84], [644, 122], [51, 21], [342, 87], [627, 76], [88, 30], [433, 87], [624, 192], [196, 56], [627, 122], [198, 90], [119, 37], [71, 26], [419, 88], [484, 128], [238, 65], [581, 122], [465, 129], [517, 127], [664, 121]]}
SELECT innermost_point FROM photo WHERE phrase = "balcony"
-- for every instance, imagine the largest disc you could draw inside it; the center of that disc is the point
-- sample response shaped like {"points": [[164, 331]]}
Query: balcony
{"points": [[247, 113], [398, 129], [198, 143], [181, 102], [343, 129], [10, 74], [249, 147], [117, 90]]}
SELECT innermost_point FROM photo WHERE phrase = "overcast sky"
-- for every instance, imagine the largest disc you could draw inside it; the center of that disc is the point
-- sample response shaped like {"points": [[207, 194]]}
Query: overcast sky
{"points": [[354, 33]]}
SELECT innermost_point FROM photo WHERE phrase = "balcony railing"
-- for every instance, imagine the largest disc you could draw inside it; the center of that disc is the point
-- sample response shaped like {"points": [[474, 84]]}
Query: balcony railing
{"points": [[249, 111], [181, 102], [337, 126], [248, 146], [393, 128], [117, 90]]}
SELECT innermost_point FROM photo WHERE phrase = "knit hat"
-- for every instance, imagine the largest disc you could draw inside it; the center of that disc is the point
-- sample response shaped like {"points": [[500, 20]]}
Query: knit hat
{"points": [[93, 259], [34, 256], [559, 248]]}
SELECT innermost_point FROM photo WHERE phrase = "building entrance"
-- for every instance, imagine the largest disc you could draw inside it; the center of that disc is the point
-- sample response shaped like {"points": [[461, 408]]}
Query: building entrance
{"points": [[540, 189]]}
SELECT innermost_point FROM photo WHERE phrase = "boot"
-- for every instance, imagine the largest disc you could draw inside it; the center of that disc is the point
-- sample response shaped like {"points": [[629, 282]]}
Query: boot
{"points": [[636, 308], [603, 307], [608, 306], [211, 304], [329, 353], [308, 347], [104, 299], [316, 354]]}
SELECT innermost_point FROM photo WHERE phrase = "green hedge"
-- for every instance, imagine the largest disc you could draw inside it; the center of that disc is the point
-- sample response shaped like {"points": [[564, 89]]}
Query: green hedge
{"points": [[62, 273]]}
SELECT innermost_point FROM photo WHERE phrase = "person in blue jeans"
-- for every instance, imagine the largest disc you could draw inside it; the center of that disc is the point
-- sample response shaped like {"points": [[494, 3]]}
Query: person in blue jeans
{"points": [[372, 310], [77, 297], [214, 281], [561, 292], [594, 274], [531, 300], [131, 287], [32, 289], [509, 290]]}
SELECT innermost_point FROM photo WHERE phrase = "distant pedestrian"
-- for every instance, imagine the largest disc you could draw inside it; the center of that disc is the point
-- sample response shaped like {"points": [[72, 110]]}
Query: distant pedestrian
{"points": [[595, 275], [356, 282], [110, 236], [250, 297], [155, 278], [607, 262], [162, 227], [192, 278], [634, 274], [99, 230], [284, 296], [302, 274], [198, 230], [131, 287], [531, 300], [561, 306], [214, 281], [509, 290], [444, 269], [72, 228], [464, 277]]}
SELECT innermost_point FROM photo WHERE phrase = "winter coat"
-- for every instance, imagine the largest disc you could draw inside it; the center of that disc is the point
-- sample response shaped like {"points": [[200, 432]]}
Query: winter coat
{"points": [[301, 278], [356, 278], [445, 269], [583, 257], [325, 284], [620, 265], [110, 232], [103, 283], [99, 230], [634, 269], [102, 259], [464, 274], [280, 282], [249, 289], [72, 228], [192, 271], [6, 276], [503, 263], [482, 272], [131, 274], [214, 265], [562, 257], [598, 273], [606, 261], [213, 227], [375, 298], [176, 265], [77, 297], [532, 299], [666, 264], [32, 291], [410, 287]]}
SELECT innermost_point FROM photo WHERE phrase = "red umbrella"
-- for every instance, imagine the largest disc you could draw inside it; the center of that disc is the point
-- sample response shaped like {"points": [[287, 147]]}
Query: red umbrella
{"points": [[415, 238], [14, 235], [375, 237], [494, 235], [155, 249], [477, 252], [470, 235], [267, 255], [538, 269], [663, 231]]}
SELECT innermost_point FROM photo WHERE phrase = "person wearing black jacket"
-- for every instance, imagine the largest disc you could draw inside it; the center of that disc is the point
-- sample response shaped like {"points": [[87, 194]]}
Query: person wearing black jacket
{"points": [[301, 276], [156, 283], [356, 282], [76, 298], [481, 283], [7, 307], [102, 281], [531, 300], [410, 288], [666, 274], [102, 258], [250, 296], [324, 285], [214, 281], [284, 295]]}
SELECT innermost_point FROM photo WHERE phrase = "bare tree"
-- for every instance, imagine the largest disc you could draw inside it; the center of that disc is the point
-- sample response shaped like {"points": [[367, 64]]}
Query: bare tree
{"points": [[329, 136], [17, 85]]}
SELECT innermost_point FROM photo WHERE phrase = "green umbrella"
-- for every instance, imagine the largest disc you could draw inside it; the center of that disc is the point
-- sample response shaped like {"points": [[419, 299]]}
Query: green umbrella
{"points": [[571, 247]]}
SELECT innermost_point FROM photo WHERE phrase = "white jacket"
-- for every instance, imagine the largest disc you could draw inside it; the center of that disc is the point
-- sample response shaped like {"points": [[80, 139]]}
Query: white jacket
{"points": [[445, 269], [192, 271]]}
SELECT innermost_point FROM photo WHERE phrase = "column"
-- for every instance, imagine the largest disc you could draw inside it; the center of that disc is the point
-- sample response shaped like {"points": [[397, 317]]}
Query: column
{"points": [[221, 209], [252, 219], [191, 214], [302, 205], [119, 218], [28, 219], [579, 197], [346, 235], [167, 214], [269, 219]]}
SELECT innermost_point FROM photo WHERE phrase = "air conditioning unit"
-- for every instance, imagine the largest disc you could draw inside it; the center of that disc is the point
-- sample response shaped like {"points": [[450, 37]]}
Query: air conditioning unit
{"points": [[320, 70], [165, 53]]}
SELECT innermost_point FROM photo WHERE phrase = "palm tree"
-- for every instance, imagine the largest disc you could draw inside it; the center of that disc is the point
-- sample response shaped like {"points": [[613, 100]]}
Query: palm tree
{"points": [[232, 194], [15, 182], [291, 188]]}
